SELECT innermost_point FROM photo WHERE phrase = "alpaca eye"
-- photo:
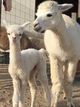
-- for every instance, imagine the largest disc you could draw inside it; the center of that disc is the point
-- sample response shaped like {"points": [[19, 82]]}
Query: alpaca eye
{"points": [[20, 34], [49, 15], [8, 33]]}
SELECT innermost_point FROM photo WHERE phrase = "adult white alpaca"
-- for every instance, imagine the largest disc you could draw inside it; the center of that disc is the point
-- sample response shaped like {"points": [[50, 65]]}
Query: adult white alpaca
{"points": [[23, 67], [62, 41]]}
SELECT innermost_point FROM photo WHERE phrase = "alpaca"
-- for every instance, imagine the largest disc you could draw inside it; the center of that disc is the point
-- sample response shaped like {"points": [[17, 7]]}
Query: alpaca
{"points": [[23, 67], [62, 41]]}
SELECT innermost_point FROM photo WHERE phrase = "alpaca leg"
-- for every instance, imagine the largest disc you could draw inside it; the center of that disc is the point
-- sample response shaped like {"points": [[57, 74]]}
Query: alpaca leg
{"points": [[16, 86], [64, 95], [69, 75], [33, 87], [56, 78], [22, 93], [42, 75]]}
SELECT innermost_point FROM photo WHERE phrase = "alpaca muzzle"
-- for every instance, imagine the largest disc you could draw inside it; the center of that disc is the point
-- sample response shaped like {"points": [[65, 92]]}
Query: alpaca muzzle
{"points": [[14, 39]]}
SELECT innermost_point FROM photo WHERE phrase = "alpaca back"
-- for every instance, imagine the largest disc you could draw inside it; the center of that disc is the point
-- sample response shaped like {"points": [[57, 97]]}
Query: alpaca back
{"points": [[32, 58], [73, 32], [71, 25]]}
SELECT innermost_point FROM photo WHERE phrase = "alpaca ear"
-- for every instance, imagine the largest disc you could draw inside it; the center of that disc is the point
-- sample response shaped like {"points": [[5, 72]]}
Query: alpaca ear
{"points": [[64, 7], [25, 24], [6, 24]]}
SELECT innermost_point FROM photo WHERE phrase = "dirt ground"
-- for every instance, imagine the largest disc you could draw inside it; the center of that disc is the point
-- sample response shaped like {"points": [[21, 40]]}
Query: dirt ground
{"points": [[7, 92]]}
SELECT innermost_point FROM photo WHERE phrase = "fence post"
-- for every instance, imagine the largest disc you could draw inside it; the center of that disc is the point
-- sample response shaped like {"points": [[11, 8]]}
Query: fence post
{"points": [[78, 19]]}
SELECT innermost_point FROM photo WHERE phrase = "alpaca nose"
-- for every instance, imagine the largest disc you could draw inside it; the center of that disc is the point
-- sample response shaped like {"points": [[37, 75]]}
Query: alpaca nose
{"points": [[14, 39]]}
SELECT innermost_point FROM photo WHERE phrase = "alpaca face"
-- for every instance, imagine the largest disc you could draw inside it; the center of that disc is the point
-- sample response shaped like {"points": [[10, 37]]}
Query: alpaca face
{"points": [[14, 32], [48, 15], [45, 14]]}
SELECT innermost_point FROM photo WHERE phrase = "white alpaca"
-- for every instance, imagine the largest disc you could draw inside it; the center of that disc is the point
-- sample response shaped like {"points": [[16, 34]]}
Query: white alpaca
{"points": [[62, 41], [23, 67]]}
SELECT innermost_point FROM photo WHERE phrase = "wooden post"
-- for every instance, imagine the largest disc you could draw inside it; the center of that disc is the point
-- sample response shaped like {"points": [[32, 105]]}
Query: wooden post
{"points": [[78, 8], [78, 12], [73, 15]]}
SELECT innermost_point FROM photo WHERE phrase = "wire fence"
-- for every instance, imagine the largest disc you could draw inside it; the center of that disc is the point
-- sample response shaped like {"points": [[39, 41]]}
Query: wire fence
{"points": [[22, 11]]}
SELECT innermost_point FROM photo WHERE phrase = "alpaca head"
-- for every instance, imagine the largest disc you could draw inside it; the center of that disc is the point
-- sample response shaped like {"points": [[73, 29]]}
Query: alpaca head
{"points": [[14, 32], [48, 15]]}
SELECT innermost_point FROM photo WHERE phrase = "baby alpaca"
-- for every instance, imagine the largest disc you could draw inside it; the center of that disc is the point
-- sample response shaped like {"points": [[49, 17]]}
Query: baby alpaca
{"points": [[23, 67], [62, 41]]}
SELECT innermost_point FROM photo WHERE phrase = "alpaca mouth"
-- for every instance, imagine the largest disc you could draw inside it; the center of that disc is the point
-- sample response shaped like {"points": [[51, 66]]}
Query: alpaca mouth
{"points": [[37, 29], [43, 31]]}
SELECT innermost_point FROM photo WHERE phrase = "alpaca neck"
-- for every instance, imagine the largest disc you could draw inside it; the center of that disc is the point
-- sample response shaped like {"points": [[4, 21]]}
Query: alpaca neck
{"points": [[60, 32], [15, 53]]}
